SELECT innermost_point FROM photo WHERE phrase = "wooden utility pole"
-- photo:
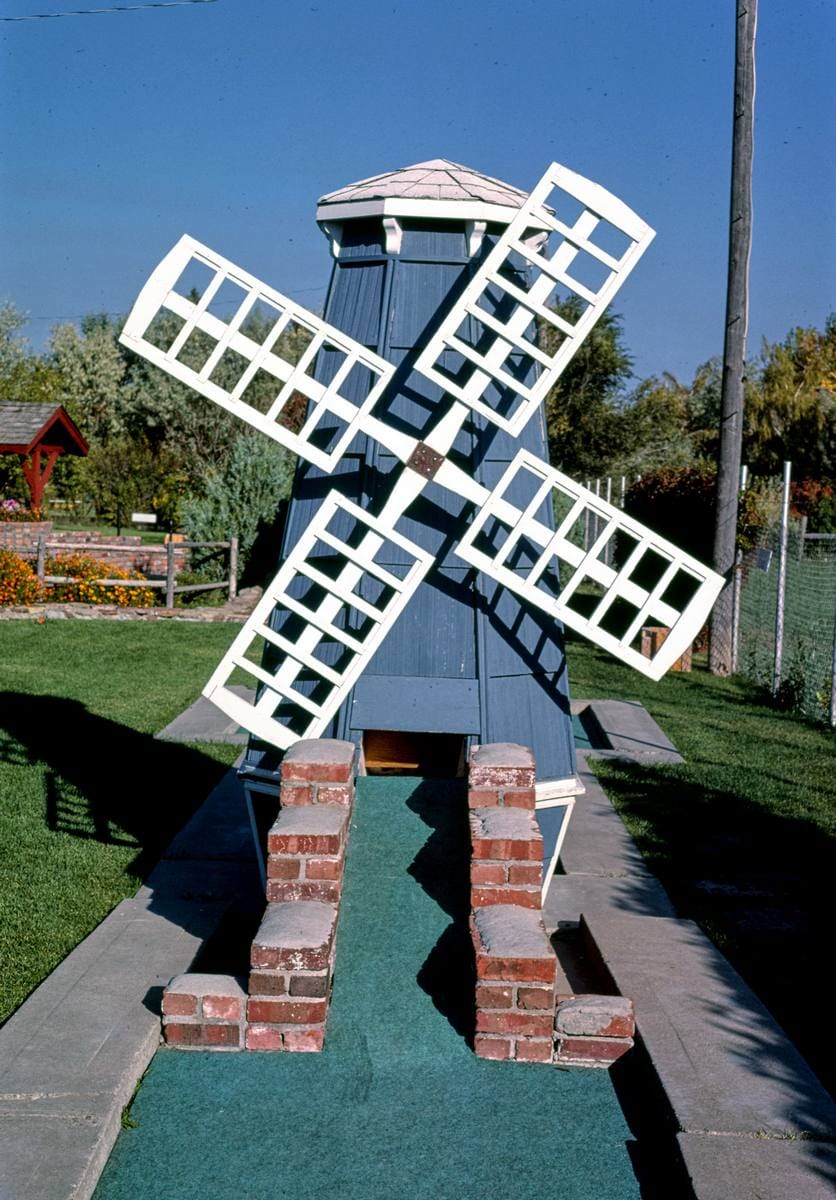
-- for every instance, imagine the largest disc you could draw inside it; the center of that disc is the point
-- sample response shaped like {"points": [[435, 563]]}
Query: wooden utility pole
{"points": [[734, 349]]}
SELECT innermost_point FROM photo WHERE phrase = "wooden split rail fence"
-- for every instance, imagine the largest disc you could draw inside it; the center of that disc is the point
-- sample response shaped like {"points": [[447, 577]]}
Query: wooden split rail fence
{"points": [[169, 584]]}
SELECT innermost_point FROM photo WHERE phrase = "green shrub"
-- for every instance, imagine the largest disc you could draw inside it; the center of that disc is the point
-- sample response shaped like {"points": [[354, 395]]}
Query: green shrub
{"points": [[18, 581], [242, 495]]}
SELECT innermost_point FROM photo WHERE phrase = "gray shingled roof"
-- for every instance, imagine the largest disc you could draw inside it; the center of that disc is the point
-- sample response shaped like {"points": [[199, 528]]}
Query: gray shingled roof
{"points": [[20, 424], [437, 179]]}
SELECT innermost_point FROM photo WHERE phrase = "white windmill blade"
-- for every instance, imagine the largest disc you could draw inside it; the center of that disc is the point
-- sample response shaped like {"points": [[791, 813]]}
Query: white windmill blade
{"points": [[655, 583], [586, 264], [234, 355], [303, 693]]}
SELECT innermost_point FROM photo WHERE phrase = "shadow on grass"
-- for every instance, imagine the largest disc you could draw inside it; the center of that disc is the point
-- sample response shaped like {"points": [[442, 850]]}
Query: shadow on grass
{"points": [[105, 781], [757, 881]]}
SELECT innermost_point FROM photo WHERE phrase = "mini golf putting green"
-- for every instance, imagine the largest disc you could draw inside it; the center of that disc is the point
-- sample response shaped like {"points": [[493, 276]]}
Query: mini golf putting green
{"points": [[397, 1105]]}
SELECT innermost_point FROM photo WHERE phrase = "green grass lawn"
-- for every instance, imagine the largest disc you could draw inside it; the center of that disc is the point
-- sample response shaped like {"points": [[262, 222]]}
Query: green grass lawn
{"points": [[88, 798], [742, 834], [148, 537]]}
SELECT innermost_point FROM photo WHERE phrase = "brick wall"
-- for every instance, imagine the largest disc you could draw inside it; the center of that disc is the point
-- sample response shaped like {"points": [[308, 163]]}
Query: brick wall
{"points": [[515, 963], [283, 1005], [526, 1009], [22, 537]]}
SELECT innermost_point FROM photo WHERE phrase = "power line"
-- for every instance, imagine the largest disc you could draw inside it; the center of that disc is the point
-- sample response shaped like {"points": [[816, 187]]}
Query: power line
{"points": [[121, 312], [119, 8]]}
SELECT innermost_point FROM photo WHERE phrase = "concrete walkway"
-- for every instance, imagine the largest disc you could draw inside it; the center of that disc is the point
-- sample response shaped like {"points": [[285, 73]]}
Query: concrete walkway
{"points": [[746, 1116]]}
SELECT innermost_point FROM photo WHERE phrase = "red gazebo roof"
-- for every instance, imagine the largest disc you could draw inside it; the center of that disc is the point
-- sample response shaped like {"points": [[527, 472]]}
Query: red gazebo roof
{"points": [[23, 427]]}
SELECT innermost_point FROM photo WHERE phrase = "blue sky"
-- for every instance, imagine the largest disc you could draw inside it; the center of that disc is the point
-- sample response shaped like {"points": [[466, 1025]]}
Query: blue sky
{"points": [[228, 120]]}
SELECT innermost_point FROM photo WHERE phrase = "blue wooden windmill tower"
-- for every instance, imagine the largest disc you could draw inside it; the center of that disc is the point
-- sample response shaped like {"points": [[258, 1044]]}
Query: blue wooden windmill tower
{"points": [[467, 660], [431, 553]]}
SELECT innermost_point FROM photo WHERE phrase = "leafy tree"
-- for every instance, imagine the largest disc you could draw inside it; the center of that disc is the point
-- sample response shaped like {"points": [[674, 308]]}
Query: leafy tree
{"points": [[584, 408], [191, 427], [13, 346], [791, 414], [128, 474], [24, 376], [91, 370], [241, 494], [679, 504], [656, 426]]}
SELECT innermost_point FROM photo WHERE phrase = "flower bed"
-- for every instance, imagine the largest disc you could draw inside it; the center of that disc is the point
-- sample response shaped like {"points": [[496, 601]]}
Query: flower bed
{"points": [[84, 586], [13, 510], [19, 582]]}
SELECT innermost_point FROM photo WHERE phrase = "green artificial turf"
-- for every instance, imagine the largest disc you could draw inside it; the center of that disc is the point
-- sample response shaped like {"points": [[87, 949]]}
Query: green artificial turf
{"points": [[397, 1105], [742, 834], [88, 798]]}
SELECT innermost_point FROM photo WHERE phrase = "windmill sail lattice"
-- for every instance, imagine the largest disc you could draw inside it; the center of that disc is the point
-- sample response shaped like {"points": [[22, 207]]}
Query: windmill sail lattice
{"points": [[599, 242]]}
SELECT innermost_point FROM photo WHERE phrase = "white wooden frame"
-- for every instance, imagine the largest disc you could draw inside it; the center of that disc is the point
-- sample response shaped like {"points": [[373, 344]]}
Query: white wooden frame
{"points": [[538, 212], [567, 802], [340, 593], [160, 295], [580, 565]]}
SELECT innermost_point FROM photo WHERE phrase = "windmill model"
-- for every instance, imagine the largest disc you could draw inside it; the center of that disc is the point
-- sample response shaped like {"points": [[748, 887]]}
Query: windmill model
{"points": [[437, 442]]}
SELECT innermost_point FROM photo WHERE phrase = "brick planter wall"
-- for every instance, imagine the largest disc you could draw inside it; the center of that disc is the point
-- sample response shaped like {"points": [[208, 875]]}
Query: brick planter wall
{"points": [[285, 1005], [22, 536], [525, 1007], [516, 966]]}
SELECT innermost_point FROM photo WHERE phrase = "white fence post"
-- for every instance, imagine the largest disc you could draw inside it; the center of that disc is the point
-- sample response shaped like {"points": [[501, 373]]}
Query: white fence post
{"points": [[782, 580]]}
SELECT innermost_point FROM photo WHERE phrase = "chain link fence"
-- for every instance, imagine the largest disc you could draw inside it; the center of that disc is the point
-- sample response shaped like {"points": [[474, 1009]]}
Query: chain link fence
{"points": [[796, 662]]}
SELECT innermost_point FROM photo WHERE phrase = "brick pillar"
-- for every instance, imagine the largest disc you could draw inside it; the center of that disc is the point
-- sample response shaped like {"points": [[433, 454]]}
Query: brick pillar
{"points": [[285, 1004], [515, 963], [293, 953]]}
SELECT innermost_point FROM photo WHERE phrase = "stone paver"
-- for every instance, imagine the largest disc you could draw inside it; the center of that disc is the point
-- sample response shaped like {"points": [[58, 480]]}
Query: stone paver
{"points": [[204, 722], [73, 1052], [632, 732], [508, 931]]}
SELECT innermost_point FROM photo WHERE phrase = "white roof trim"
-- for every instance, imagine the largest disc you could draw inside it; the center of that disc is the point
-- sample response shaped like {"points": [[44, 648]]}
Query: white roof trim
{"points": [[401, 206]]}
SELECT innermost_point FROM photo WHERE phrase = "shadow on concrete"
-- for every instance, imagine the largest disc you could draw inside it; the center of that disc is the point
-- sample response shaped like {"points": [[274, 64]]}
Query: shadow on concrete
{"points": [[103, 780], [757, 882]]}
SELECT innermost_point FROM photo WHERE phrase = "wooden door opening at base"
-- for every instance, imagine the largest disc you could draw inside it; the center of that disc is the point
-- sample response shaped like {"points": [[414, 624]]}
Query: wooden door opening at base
{"points": [[432, 755]]}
